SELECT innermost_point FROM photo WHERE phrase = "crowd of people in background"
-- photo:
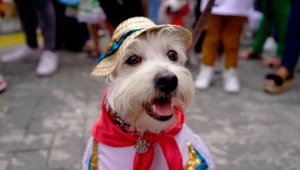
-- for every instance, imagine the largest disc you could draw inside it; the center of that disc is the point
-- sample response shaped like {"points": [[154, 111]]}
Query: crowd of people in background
{"points": [[223, 31]]}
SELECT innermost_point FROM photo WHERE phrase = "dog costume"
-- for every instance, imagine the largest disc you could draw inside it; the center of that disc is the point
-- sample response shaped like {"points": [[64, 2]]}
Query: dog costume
{"points": [[115, 145]]}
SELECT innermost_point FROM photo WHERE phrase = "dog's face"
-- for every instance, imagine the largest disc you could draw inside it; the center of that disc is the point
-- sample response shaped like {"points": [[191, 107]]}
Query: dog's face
{"points": [[150, 81], [173, 6]]}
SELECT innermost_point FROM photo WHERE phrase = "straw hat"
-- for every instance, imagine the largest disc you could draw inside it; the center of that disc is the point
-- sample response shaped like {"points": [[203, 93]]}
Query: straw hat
{"points": [[126, 31]]}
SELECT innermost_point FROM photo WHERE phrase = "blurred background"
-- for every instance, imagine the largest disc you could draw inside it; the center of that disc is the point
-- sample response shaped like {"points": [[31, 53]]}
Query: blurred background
{"points": [[245, 109]]}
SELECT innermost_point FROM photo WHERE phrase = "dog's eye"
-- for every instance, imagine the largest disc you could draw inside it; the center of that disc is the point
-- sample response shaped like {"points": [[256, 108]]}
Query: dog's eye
{"points": [[133, 60], [172, 55]]}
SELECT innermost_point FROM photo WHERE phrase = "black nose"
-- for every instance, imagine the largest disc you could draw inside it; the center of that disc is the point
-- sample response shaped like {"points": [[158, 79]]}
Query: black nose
{"points": [[169, 8], [166, 81]]}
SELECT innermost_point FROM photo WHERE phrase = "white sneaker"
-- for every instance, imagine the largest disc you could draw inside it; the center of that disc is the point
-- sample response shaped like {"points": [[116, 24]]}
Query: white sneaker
{"points": [[231, 81], [48, 63], [21, 53], [204, 77]]}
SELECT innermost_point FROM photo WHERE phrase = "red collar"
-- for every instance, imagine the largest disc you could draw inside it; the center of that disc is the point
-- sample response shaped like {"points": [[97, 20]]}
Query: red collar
{"points": [[106, 132]]}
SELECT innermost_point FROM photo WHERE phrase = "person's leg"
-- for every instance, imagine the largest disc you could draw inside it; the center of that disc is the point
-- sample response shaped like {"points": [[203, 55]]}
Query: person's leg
{"points": [[281, 10], [95, 52], [292, 42], [46, 16], [49, 60], [109, 27], [29, 21], [263, 32], [60, 19], [231, 35], [264, 29], [210, 50], [211, 43]]}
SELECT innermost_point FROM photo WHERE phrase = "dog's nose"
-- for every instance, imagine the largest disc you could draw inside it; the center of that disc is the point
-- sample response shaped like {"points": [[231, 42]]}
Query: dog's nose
{"points": [[169, 8], [166, 81]]}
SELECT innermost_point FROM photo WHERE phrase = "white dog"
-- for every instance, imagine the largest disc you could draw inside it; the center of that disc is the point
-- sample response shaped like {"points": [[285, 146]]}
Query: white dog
{"points": [[141, 125], [177, 12]]}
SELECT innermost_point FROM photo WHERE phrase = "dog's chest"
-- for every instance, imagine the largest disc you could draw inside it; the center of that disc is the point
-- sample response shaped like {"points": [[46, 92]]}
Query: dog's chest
{"points": [[118, 158], [123, 157]]}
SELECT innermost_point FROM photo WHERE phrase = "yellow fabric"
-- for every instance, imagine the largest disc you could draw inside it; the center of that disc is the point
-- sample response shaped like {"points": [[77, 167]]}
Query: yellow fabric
{"points": [[14, 39]]}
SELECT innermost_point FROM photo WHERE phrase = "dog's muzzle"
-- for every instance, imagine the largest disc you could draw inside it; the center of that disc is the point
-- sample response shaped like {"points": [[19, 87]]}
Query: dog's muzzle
{"points": [[161, 108]]}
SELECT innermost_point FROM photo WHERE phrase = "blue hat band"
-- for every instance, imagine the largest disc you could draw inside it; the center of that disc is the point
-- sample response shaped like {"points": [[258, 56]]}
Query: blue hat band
{"points": [[116, 45]]}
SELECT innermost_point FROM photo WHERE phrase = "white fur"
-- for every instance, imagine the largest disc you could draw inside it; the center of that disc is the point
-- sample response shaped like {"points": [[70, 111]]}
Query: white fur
{"points": [[133, 85]]}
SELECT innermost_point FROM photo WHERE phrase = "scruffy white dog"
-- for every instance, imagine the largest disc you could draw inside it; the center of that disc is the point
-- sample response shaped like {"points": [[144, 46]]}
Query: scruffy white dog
{"points": [[175, 12], [141, 125]]}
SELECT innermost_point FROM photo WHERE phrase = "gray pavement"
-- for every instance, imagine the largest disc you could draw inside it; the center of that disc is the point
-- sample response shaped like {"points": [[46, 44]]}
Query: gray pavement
{"points": [[45, 122]]}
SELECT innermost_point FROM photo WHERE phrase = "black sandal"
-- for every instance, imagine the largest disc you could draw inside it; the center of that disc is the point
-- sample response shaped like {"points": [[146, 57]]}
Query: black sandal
{"points": [[275, 84]]}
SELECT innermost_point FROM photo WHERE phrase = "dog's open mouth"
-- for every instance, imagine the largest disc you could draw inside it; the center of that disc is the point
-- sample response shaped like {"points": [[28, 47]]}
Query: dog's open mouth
{"points": [[160, 108]]}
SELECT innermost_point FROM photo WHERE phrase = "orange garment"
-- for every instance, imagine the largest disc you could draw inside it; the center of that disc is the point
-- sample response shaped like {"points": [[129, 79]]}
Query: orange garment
{"points": [[225, 30]]}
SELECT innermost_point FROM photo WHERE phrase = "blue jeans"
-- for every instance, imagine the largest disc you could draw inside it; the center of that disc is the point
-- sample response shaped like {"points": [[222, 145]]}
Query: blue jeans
{"points": [[292, 42]]}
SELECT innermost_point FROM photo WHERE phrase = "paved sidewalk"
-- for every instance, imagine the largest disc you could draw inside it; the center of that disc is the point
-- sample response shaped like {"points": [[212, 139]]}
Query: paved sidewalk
{"points": [[45, 122]]}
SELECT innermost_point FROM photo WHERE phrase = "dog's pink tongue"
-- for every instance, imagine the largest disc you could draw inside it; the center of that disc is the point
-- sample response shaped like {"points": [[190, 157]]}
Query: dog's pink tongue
{"points": [[163, 109]]}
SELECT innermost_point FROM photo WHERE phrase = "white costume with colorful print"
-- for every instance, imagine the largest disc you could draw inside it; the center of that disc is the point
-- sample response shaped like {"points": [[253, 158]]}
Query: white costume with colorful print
{"points": [[194, 153]]}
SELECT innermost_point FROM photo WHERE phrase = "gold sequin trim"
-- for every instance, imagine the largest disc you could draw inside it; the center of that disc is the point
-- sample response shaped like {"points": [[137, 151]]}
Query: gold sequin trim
{"points": [[95, 155], [193, 161]]}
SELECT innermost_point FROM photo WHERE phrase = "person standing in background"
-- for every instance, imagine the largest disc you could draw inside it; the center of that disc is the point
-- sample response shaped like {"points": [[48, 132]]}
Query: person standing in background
{"points": [[33, 13], [224, 27]]}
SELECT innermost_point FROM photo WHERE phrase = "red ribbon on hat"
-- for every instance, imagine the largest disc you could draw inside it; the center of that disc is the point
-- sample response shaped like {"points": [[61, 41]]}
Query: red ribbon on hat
{"points": [[178, 16], [106, 132]]}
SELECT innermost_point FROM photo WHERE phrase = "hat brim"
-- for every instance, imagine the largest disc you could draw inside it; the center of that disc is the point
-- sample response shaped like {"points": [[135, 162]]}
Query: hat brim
{"points": [[108, 64]]}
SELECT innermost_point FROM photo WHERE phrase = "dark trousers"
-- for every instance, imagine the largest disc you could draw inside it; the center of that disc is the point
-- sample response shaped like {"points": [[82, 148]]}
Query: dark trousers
{"points": [[37, 12], [117, 11], [292, 43], [70, 34]]}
